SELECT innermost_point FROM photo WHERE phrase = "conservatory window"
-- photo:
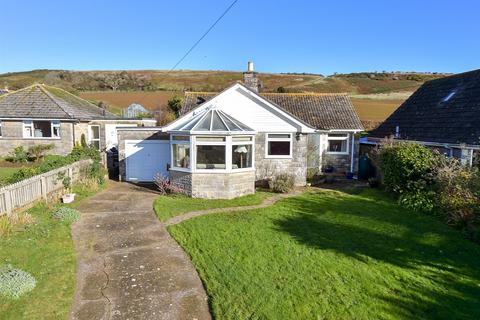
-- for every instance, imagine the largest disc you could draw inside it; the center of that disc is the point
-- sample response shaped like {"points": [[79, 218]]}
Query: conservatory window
{"points": [[211, 157], [337, 143], [279, 145], [181, 155], [241, 156]]}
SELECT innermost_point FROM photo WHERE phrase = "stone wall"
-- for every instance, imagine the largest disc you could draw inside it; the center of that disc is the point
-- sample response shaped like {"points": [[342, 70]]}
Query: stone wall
{"points": [[297, 165], [12, 136], [153, 134], [215, 185]]}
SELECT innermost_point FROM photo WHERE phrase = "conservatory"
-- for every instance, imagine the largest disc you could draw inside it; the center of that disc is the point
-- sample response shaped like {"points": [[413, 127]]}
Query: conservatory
{"points": [[212, 156]]}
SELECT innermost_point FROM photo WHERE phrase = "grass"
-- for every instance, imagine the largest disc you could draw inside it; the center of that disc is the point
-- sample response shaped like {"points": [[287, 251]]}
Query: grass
{"points": [[7, 171], [44, 249], [333, 255], [170, 206]]}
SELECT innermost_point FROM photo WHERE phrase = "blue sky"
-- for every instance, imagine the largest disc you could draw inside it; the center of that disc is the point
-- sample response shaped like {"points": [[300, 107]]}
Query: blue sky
{"points": [[279, 36]]}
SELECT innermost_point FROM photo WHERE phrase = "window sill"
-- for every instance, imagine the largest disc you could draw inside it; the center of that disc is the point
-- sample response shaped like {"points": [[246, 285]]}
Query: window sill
{"points": [[278, 157], [338, 153], [41, 138]]}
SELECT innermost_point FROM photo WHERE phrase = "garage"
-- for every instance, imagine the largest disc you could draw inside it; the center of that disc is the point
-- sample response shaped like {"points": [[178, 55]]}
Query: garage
{"points": [[145, 158]]}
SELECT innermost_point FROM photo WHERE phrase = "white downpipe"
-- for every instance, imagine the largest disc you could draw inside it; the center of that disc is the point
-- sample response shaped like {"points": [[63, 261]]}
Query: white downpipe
{"points": [[352, 153]]}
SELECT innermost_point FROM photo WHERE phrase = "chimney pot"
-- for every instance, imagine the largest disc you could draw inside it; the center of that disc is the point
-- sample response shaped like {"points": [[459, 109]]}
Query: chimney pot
{"points": [[250, 67]]}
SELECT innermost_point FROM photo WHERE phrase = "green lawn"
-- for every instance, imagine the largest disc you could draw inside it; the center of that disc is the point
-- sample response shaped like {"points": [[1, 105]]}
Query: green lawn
{"points": [[44, 249], [333, 255], [7, 171], [174, 205]]}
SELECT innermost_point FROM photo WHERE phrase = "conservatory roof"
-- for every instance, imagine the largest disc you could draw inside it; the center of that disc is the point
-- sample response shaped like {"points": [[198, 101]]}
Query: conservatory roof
{"points": [[213, 121]]}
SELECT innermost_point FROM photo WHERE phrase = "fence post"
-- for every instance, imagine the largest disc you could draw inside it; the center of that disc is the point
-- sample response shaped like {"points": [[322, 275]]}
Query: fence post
{"points": [[8, 202], [43, 186]]}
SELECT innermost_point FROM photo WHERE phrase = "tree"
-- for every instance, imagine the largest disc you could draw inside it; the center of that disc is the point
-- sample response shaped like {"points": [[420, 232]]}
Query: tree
{"points": [[38, 151], [175, 105], [281, 90]]}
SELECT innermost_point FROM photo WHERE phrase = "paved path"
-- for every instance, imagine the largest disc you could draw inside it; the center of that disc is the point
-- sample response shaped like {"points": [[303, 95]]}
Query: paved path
{"points": [[128, 265], [265, 203]]}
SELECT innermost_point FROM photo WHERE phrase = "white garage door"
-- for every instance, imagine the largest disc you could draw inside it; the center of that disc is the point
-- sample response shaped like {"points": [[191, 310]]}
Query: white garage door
{"points": [[146, 158]]}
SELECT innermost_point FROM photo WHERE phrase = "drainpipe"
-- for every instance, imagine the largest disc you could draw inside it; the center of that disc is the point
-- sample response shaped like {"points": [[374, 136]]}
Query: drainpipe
{"points": [[471, 157], [352, 152]]}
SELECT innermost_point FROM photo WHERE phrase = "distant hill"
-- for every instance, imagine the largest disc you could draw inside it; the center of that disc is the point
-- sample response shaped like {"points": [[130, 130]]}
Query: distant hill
{"points": [[150, 80], [375, 94]]}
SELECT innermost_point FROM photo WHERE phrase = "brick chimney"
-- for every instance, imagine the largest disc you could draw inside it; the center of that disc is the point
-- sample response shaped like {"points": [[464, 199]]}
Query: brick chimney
{"points": [[250, 78]]}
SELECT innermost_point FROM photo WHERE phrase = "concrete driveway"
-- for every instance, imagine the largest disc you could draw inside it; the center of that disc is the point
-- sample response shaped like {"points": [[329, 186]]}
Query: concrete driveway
{"points": [[128, 265]]}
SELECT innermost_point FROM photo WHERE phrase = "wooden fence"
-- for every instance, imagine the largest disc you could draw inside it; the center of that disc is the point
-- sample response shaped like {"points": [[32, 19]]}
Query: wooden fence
{"points": [[23, 193]]}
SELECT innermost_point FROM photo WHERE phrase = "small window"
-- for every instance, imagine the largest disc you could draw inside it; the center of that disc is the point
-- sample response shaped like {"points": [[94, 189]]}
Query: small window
{"points": [[181, 155], [211, 139], [279, 145], [181, 138], [337, 143], [56, 129], [94, 136]]}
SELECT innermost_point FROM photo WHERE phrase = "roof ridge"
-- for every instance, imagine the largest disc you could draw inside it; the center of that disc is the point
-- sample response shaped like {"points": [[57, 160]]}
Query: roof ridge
{"points": [[283, 93], [44, 90], [22, 89]]}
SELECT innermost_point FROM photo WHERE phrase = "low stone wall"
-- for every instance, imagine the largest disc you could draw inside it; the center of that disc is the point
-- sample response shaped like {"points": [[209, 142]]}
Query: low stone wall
{"points": [[215, 185]]}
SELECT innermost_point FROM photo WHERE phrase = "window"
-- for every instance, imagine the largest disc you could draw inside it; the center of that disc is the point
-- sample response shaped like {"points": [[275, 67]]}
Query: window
{"points": [[337, 143], [279, 145], [211, 157], [181, 155], [94, 136], [241, 156], [41, 129]]}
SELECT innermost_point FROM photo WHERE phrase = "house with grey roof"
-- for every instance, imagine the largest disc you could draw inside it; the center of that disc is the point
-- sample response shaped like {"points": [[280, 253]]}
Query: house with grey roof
{"points": [[135, 110], [443, 114], [225, 142], [41, 114]]}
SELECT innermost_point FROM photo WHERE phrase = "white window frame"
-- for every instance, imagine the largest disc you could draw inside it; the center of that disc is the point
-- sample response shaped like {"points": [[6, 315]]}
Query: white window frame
{"points": [[243, 143], [90, 135], [182, 142], [268, 139], [346, 137], [228, 144], [29, 124]]}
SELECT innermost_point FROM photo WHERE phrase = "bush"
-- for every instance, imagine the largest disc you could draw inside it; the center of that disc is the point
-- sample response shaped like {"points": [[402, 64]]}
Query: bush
{"points": [[19, 154], [37, 151], [66, 214], [96, 172], [408, 171], [15, 282], [282, 183], [165, 186]]}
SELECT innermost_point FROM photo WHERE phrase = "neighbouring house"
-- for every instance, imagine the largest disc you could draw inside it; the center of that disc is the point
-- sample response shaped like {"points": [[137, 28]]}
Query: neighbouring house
{"points": [[443, 114], [41, 114], [224, 142], [135, 110]]}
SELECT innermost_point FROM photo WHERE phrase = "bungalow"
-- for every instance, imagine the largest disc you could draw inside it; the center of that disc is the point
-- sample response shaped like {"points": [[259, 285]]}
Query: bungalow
{"points": [[443, 114], [42, 114], [224, 142]]}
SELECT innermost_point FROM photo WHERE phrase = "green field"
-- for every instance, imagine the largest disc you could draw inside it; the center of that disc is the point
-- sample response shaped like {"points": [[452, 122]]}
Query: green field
{"points": [[7, 171], [333, 255]]}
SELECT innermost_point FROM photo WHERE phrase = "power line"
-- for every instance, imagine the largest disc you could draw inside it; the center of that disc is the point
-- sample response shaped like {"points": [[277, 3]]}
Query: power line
{"points": [[203, 36], [197, 42]]}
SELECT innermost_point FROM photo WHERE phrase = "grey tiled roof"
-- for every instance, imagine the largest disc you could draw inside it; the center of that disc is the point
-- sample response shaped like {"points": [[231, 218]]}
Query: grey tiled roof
{"points": [[40, 101], [323, 111], [445, 110]]}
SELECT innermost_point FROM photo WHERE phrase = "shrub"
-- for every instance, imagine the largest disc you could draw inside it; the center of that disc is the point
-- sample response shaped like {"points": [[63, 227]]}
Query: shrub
{"points": [[19, 154], [66, 214], [282, 183], [96, 172], [5, 226], [165, 186], [15, 282], [408, 171], [38, 151]]}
